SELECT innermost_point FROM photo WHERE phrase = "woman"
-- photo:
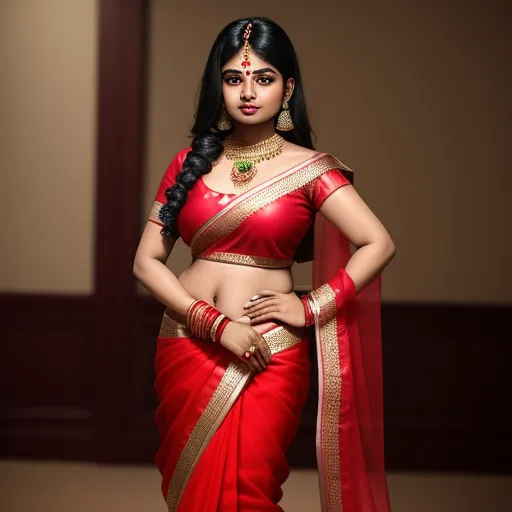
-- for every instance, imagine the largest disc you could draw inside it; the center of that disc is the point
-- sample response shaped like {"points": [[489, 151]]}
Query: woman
{"points": [[232, 358]]}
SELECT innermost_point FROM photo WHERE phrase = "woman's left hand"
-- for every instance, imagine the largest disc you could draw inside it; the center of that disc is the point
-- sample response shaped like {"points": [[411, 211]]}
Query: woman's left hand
{"points": [[269, 305]]}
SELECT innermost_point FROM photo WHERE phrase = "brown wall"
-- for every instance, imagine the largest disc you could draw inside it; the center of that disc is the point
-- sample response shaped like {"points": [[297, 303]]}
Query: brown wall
{"points": [[413, 96], [87, 360], [47, 144]]}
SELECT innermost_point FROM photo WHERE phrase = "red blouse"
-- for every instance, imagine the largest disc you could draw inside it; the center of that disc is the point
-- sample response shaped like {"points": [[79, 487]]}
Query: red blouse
{"points": [[270, 234]]}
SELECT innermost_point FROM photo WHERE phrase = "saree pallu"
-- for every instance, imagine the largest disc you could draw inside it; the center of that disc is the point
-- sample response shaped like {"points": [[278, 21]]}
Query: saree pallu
{"points": [[224, 429], [224, 433], [349, 434]]}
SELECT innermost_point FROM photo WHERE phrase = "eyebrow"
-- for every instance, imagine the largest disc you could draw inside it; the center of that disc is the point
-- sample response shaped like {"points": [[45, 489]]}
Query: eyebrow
{"points": [[255, 72]]}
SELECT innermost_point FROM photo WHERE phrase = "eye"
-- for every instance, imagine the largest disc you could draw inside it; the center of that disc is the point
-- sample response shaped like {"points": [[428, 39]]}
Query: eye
{"points": [[232, 80], [265, 80]]}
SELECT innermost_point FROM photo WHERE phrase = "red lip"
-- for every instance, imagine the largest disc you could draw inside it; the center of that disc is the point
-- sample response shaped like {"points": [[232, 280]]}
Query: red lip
{"points": [[249, 111], [249, 105]]}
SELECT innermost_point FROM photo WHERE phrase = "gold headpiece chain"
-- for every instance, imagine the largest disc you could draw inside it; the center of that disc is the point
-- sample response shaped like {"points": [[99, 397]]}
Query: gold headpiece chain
{"points": [[247, 49]]}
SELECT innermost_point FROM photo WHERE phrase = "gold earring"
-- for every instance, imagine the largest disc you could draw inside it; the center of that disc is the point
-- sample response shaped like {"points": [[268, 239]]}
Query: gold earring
{"points": [[284, 121], [224, 122]]}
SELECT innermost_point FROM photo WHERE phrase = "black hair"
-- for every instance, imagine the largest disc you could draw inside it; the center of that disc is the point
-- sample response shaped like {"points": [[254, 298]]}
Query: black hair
{"points": [[271, 43]]}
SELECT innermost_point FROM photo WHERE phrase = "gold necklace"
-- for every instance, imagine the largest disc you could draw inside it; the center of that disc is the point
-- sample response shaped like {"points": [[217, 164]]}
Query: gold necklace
{"points": [[246, 157]]}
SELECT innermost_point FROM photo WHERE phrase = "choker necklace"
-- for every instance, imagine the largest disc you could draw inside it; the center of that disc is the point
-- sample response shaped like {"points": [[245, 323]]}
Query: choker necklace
{"points": [[246, 157]]}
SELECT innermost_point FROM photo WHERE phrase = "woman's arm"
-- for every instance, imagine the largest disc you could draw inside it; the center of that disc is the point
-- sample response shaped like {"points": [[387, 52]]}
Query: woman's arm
{"points": [[351, 215], [347, 211], [150, 269]]}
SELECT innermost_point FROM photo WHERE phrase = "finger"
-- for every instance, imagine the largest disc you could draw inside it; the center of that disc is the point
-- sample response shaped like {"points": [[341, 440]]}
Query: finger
{"points": [[261, 360], [264, 348], [256, 364], [265, 311], [250, 366], [258, 307], [257, 354], [265, 294], [246, 360], [267, 316], [256, 302]]}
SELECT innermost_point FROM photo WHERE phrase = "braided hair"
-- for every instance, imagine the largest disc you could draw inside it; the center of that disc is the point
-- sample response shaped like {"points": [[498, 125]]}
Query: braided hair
{"points": [[271, 43]]}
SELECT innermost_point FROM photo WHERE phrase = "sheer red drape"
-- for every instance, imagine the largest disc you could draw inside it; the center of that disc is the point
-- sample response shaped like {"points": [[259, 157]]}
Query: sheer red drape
{"points": [[360, 429]]}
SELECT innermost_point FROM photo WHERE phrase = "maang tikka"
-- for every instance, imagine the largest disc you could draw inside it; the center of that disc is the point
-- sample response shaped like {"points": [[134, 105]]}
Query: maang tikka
{"points": [[246, 157], [247, 50], [224, 122]]}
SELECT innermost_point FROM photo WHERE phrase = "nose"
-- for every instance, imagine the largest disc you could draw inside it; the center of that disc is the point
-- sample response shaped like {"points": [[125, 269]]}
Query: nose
{"points": [[248, 92]]}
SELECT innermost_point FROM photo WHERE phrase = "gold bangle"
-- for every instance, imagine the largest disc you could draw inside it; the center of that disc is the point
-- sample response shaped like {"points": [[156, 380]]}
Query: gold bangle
{"points": [[196, 320], [192, 320], [215, 326], [187, 315], [201, 324]]}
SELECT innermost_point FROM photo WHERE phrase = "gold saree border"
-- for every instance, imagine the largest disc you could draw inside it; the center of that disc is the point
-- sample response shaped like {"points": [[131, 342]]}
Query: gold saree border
{"points": [[329, 399], [169, 328], [235, 379], [278, 338], [247, 260], [231, 385], [230, 217]]}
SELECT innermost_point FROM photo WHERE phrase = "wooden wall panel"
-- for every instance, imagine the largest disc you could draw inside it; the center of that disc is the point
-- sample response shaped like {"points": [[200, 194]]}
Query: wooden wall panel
{"points": [[445, 386], [46, 375], [76, 373]]}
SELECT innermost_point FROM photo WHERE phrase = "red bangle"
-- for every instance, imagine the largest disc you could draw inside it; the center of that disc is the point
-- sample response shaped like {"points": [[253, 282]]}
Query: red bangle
{"points": [[211, 315], [221, 328], [204, 322], [310, 317]]}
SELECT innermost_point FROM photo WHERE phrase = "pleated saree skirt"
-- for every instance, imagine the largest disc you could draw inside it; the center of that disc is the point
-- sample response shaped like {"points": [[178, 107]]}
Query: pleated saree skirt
{"points": [[225, 430]]}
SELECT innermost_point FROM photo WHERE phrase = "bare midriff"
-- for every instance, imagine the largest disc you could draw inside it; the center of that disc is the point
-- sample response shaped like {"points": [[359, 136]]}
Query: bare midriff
{"points": [[228, 287]]}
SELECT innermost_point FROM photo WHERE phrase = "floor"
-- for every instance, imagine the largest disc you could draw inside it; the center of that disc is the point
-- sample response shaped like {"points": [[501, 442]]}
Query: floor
{"points": [[77, 487]]}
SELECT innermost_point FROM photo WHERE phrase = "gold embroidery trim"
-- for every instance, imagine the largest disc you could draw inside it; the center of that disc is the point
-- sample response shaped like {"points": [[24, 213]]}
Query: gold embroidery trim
{"points": [[278, 339], [244, 259], [326, 301], [231, 385], [233, 382], [329, 404], [169, 328], [281, 338], [246, 204], [248, 193], [153, 214]]}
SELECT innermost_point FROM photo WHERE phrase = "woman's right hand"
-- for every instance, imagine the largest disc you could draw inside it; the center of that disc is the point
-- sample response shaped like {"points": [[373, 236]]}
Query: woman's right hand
{"points": [[239, 337]]}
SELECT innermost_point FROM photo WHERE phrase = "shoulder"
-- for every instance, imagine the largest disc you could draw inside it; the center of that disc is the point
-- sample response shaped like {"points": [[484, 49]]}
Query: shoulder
{"points": [[179, 158], [325, 161], [176, 163], [296, 152], [328, 174], [331, 165]]}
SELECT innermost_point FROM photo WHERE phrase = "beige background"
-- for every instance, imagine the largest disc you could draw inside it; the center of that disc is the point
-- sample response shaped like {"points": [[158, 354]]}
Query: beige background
{"points": [[47, 144], [410, 95], [414, 97]]}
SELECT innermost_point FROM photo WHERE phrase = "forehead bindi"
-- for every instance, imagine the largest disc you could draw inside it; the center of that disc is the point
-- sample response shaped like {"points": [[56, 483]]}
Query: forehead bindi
{"points": [[256, 64]]}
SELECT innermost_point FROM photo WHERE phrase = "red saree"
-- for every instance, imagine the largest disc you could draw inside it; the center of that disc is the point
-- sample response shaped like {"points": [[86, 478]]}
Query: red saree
{"points": [[225, 431]]}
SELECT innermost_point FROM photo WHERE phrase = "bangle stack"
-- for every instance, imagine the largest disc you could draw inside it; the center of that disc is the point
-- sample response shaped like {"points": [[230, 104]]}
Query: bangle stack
{"points": [[310, 317], [205, 321]]}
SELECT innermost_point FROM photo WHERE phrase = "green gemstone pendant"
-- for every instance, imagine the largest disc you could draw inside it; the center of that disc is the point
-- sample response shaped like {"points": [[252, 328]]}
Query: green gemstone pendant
{"points": [[244, 166], [242, 173]]}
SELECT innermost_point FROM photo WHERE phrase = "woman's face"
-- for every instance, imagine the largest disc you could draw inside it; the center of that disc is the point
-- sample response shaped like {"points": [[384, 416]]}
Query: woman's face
{"points": [[261, 92]]}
